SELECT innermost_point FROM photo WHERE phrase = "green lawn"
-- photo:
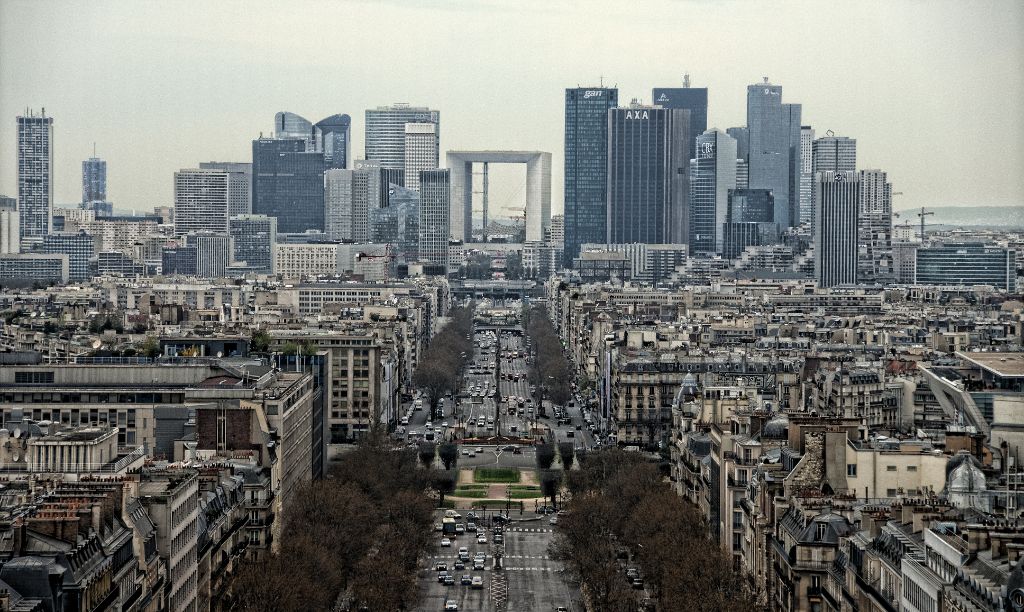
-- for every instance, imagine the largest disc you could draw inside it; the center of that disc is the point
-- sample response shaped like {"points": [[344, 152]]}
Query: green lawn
{"points": [[496, 475], [471, 493], [475, 486], [526, 494], [522, 487], [496, 503]]}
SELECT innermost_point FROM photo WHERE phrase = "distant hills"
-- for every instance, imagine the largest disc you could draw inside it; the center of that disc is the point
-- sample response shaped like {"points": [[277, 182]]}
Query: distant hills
{"points": [[1004, 217]]}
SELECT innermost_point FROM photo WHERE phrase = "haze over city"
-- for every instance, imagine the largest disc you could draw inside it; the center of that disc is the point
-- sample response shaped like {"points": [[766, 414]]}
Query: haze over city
{"points": [[930, 90]]}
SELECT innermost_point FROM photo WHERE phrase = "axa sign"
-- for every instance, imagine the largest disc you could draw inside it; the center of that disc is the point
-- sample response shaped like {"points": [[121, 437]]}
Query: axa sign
{"points": [[637, 114], [592, 93]]}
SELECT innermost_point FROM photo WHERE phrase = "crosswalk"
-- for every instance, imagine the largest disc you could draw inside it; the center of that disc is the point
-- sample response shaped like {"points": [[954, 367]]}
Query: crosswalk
{"points": [[530, 569], [529, 530]]}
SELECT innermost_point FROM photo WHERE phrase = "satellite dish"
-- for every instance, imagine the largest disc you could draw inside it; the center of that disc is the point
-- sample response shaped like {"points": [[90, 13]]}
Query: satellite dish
{"points": [[17, 457], [17, 432], [97, 343], [220, 354]]}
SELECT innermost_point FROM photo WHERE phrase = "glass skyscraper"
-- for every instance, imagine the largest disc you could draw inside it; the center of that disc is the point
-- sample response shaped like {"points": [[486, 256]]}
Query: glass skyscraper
{"points": [[435, 216], [836, 196], [834, 154], [586, 166], [94, 179], [253, 239], [966, 264], [290, 125], [288, 183], [774, 154], [693, 99], [398, 224], [385, 132], [648, 175], [748, 221], [713, 177], [333, 137], [35, 175]]}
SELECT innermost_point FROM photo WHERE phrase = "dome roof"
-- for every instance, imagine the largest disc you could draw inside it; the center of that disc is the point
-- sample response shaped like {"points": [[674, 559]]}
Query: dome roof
{"points": [[966, 478]]}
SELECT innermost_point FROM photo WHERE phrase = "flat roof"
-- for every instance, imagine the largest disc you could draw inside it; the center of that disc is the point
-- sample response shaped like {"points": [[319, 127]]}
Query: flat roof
{"points": [[1005, 365]]}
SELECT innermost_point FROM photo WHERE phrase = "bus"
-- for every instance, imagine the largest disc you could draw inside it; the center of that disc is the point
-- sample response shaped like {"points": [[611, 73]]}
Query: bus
{"points": [[448, 527]]}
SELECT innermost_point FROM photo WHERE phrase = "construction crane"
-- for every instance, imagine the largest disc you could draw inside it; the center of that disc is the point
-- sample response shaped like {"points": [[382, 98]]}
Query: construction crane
{"points": [[922, 215]]}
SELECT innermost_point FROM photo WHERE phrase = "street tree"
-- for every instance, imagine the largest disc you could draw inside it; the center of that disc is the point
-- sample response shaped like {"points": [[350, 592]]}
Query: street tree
{"points": [[545, 456], [550, 484], [427, 451], [449, 454], [565, 452]]}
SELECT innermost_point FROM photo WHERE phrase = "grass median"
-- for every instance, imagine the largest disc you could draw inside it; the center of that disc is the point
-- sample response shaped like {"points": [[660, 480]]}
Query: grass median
{"points": [[496, 475]]}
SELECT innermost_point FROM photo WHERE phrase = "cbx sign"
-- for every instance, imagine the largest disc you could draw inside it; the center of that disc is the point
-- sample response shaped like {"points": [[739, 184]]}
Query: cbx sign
{"points": [[592, 93], [637, 114]]}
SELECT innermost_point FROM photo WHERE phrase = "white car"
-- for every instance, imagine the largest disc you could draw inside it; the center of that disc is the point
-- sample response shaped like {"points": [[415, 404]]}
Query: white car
{"points": [[481, 539], [445, 542]]}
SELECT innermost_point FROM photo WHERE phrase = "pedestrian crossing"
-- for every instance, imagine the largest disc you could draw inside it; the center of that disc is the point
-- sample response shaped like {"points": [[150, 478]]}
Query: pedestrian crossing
{"points": [[529, 530], [525, 557], [530, 569]]}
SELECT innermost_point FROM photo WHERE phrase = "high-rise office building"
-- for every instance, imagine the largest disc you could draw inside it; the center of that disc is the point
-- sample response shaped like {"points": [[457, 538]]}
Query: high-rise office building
{"points": [[80, 248], [774, 157], [10, 239], [339, 197], [806, 174], [398, 223], [420, 151], [385, 132], [290, 125], [742, 137], [201, 201], [748, 221], [94, 179], [179, 260], [332, 136], [213, 253], [693, 99], [35, 175], [435, 216], [648, 175], [834, 154], [586, 167], [253, 239], [965, 264], [288, 183], [240, 182], [836, 199], [874, 226], [713, 176]]}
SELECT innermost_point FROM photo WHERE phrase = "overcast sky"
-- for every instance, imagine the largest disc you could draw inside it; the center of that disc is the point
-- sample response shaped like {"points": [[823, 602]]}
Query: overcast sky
{"points": [[931, 89]]}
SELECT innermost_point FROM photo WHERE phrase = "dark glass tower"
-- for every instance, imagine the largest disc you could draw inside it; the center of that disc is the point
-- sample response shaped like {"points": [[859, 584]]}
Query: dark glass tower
{"points": [[774, 158], [748, 221], [333, 137], [288, 184], [94, 179], [586, 166], [693, 99], [648, 175]]}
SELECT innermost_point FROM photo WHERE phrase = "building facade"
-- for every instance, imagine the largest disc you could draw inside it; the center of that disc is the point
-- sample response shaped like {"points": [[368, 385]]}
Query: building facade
{"points": [[834, 154], [420, 151], [435, 210], [94, 179], [874, 226], [239, 184], [385, 132], [332, 136], [202, 201], [806, 174], [78, 246], [253, 240], [339, 200], [648, 175], [774, 160], [713, 177], [966, 264], [586, 166], [836, 198], [288, 184], [35, 175], [693, 99]]}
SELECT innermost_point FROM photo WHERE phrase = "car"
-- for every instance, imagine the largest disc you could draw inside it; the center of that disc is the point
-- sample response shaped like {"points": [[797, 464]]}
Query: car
{"points": [[517, 451], [441, 576], [638, 583], [478, 564], [463, 549], [465, 453], [449, 580], [510, 447], [471, 516], [445, 542], [471, 527], [477, 582], [452, 514], [466, 579], [479, 449], [481, 539], [498, 538], [632, 573], [460, 528], [438, 527], [561, 609], [579, 428], [553, 520], [459, 565], [441, 566]]}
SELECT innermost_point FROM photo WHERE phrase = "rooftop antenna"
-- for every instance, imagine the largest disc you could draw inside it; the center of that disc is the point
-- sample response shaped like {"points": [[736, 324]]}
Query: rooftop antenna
{"points": [[601, 78], [765, 80], [686, 79], [94, 149]]}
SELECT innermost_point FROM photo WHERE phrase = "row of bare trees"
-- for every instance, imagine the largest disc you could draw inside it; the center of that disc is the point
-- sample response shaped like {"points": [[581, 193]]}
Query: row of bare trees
{"points": [[350, 541], [623, 513], [550, 369], [439, 368]]}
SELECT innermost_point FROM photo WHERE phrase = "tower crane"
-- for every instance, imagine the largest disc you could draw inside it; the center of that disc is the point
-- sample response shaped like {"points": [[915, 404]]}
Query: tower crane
{"points": [[922, 215]]}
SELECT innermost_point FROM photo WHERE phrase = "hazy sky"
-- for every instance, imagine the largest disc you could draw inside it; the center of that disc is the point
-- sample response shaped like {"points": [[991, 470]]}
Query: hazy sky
{"points": [[932, 90]]}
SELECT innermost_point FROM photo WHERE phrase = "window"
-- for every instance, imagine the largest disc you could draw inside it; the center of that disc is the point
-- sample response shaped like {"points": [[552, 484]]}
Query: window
{"points": [[33, 378], [911, 468], [890, 468], [851, 469]]}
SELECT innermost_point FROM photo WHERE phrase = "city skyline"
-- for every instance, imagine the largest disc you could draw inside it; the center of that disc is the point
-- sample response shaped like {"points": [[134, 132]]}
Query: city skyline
{"points": [[904, 108]]}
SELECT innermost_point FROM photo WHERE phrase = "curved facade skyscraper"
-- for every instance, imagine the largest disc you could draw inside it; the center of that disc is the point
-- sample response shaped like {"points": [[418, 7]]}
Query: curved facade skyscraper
{"points": [[333, 136], [290, 125]]}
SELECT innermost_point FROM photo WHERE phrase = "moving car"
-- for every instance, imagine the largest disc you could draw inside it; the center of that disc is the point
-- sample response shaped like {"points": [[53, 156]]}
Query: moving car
{"points": [[466, 579], [445, 542], [477, 582]]}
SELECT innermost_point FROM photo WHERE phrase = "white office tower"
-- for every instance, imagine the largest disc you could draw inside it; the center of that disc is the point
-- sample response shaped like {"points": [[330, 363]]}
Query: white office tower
{"points": [[806, 174], [240, 177], [10, 240], [213, 253], [202, 201], [874, 226], [385, 132], [35, 175], [420, 151], [835, 228]]}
